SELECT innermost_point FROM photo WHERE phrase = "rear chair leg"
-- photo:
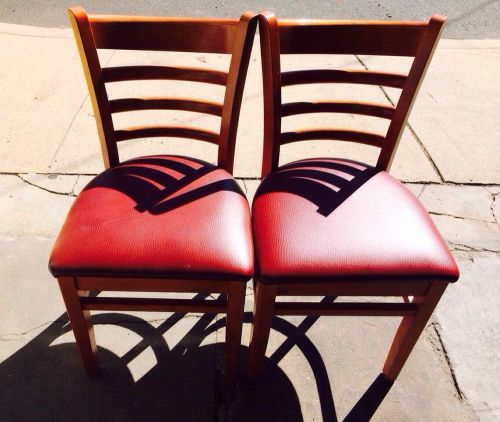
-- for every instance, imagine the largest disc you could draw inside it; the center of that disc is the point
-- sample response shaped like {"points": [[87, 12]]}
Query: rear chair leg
{"points": [[234, 324], [410, 329], [265, 296], [81, 324]]}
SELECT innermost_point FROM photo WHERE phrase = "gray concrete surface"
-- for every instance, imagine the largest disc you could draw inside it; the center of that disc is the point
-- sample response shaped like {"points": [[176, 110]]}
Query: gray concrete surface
{"points": [[168, 367], [476, 19]]}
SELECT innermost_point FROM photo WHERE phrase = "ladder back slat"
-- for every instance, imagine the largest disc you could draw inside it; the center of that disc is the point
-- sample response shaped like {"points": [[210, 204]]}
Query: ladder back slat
{"points": [[163, 33], [365, 77], [166, 131], [368, 109], [368, 138], [134, 104], [193, 74]]}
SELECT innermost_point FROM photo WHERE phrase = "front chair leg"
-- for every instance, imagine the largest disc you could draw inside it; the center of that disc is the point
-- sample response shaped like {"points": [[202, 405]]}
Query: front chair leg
{"points": [[81, 324], [410, 329], [265, 296], [234, 324]]}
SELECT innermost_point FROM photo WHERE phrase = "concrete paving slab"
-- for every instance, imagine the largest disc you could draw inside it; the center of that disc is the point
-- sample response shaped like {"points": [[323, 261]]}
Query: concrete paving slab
{"points": [[468, 324], [72, 145], [55, 183], [328, 369], [30, 210], [41, 92], [455, 114], [470, 202], [469, 235]]}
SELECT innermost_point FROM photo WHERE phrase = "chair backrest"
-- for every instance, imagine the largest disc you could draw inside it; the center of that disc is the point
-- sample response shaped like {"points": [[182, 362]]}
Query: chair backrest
{"points": [[410, 39], [222, 36]]}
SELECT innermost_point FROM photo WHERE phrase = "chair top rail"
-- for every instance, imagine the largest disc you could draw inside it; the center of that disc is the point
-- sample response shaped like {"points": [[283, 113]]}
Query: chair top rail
{"points": [[200, 35], [384, 38]]}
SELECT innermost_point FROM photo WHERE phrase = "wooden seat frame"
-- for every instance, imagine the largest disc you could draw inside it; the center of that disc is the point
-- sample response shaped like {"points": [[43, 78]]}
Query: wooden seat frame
{"points": [[223, 36], [412, 39]]}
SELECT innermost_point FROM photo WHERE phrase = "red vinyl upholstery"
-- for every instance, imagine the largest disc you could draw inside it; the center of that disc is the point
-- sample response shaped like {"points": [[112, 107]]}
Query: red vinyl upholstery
{"points": [[327, 219], [159, 216]]}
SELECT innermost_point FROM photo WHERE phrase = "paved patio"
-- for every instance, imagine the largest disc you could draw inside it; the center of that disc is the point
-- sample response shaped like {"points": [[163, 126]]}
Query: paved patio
{"points": [[168, 366]]}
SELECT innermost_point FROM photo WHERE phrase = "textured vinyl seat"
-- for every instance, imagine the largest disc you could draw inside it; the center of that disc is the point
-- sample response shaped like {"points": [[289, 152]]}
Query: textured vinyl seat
{"points": [[160, 216], [327, 219]]}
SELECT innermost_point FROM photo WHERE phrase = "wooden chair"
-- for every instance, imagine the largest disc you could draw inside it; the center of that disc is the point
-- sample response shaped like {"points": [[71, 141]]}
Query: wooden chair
{"points": [[161, 223], [336, 227]]}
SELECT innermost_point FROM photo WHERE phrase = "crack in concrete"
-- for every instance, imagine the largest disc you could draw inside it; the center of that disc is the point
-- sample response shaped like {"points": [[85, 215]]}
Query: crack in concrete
{"points": [[244, 186], [467, 248], [458, 217], [461, 396], [66, 133], [69, 37], [63, 322], [421, 191], [410, 128], [258, 179], [492, 207], [16, 336], [45, 189], [74, 185]]}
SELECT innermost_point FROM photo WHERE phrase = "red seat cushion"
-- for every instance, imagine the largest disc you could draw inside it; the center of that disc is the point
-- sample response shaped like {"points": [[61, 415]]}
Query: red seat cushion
{"points": [[159, 216], [327, 219]]}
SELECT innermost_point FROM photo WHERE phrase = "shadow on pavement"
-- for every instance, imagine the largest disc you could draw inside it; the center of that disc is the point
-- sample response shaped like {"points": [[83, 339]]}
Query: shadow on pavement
{"points": [[46, 381]]}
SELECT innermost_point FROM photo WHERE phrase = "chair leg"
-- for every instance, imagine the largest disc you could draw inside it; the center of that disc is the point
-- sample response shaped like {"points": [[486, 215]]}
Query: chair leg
{"points": [[265, 296], [81, 324], [234, 324], [410, 329]]}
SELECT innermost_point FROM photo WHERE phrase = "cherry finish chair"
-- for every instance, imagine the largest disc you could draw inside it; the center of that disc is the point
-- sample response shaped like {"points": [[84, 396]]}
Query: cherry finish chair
{"points": [[160, 223], [336, 227]]}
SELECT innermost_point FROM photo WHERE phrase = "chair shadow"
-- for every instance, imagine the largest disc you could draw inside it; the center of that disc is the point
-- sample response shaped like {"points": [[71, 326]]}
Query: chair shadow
{"points": [[154, 182], [46, 381], [260, 400], [325, 182]]}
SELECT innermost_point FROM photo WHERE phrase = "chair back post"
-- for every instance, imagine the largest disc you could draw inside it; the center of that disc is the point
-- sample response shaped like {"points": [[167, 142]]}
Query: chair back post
{"points": [[97, 89], [240, 58], [410, 90], [271, 78]]}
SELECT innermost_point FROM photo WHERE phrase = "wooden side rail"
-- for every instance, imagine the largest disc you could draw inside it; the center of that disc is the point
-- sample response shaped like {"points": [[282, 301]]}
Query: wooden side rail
{"points": [[153, 304], [345, 308]]}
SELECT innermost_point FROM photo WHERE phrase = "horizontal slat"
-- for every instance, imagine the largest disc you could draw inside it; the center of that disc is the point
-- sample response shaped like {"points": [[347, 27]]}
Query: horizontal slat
{"points": [[350, 37], [167, 131], [345, 308], [124, 284], [152, 304], [369, 109], [135, 73], [133, 104], [366, 77], [163, 34], [361, 137]]}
